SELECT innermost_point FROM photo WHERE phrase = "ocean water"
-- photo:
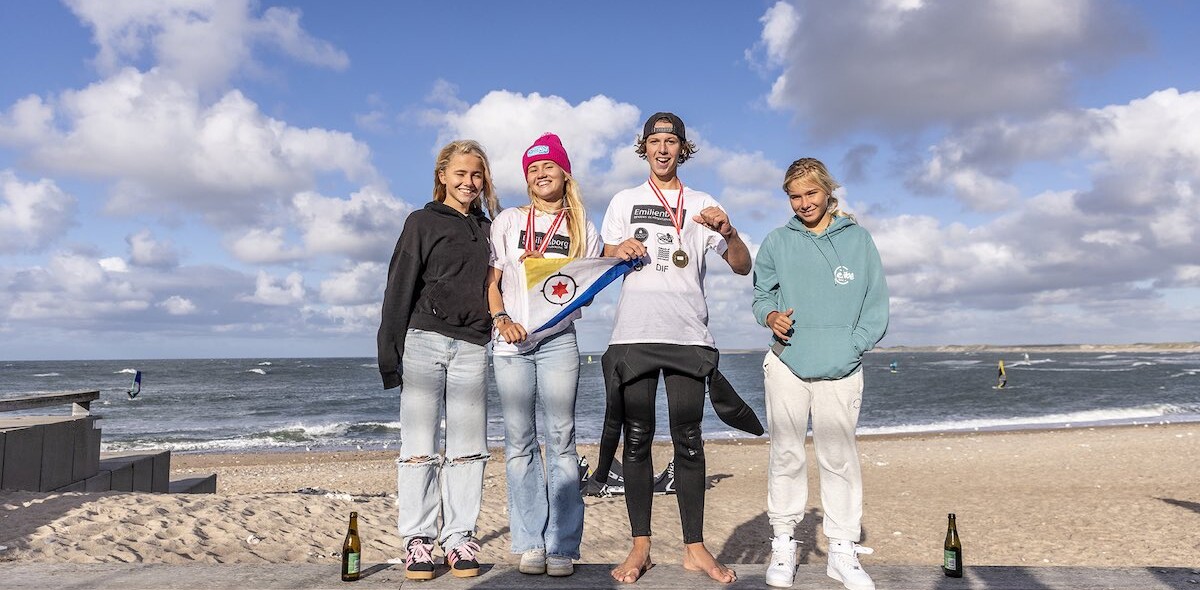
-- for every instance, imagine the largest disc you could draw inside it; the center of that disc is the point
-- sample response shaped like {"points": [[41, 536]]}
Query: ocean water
{"points": [[339, 403]]}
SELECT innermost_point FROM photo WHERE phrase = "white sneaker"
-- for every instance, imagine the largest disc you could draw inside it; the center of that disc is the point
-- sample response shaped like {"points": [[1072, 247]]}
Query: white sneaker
{"points": [[782, 569], [533, 562], [557, 565], [844, 567]]}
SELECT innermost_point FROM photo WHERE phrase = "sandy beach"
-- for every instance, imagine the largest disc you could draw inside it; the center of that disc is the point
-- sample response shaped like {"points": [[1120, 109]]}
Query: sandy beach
{"points": [[1113, 496]]}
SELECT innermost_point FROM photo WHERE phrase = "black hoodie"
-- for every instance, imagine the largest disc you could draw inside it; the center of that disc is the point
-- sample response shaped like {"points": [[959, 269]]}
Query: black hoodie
{"points": [[437, 281]]}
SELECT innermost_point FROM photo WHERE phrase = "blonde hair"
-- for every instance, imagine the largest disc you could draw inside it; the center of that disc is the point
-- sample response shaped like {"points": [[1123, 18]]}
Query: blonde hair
{"points": [[576, 216], [466, 147], [814, 170]]}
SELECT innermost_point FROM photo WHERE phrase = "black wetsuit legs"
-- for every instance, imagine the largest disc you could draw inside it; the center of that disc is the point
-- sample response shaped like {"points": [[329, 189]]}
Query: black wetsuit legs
{"points": [[685, 405]]}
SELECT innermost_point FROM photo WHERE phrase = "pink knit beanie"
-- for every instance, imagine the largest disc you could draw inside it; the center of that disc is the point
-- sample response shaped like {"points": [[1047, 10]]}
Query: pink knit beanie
{"points": [[547, 147]]}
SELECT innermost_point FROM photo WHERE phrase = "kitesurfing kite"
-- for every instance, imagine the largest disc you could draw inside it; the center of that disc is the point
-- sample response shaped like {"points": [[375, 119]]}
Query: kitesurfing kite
{"points": [[136, 387]]}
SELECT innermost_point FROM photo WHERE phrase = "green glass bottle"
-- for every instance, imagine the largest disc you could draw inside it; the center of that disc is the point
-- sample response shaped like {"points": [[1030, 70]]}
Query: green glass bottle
{"points": [[952, 564], [351, 551]]}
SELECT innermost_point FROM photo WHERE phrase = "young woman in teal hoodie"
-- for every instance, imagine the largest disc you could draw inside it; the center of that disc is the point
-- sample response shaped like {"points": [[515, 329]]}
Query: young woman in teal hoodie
{"points": [[819, 287]]}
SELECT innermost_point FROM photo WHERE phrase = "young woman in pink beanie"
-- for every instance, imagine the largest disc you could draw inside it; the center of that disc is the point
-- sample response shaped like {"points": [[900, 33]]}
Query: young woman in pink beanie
{"points": [[544, 504]]}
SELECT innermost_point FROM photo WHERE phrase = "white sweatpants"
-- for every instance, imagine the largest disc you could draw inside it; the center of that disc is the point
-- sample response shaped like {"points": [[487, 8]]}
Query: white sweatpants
{"points": [[834, 407]]}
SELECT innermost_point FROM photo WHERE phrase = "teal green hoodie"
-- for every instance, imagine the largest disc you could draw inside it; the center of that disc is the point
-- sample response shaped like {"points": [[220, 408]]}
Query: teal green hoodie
{"points": [[834, 282]]}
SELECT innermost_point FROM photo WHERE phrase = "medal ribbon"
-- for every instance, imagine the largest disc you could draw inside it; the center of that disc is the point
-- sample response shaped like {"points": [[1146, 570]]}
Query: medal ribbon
{"points": [[676, 215], [529, 231]]}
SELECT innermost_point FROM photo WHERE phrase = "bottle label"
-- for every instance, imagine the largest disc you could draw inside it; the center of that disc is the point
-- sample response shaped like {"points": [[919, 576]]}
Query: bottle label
{"points": [[352, 563], [950, 560]]}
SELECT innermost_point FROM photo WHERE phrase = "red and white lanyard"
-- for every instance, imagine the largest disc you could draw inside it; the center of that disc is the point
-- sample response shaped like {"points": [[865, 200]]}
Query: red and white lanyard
{"points": [[676, 215], [530, 241]]}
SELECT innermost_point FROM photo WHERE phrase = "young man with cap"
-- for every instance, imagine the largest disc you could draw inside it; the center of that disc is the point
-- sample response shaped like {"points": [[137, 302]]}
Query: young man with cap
{"points": [[661, 326]]}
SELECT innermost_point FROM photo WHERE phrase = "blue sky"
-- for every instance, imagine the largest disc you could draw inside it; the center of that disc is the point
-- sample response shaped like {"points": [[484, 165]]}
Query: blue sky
{"points": [[211, 178]]}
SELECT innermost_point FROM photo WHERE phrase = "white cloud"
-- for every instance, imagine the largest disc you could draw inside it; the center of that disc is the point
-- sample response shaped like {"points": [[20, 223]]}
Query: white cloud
{"points": [[32, 214], [113, 264], [168, 151], [360, 284], [29, 122], [201, 43], [72, 286], [779, 25], [752, 182], [146, 250], [362, 227], [176, 305], [262, 246], [288, 291], [909, 65], [506, 123]]}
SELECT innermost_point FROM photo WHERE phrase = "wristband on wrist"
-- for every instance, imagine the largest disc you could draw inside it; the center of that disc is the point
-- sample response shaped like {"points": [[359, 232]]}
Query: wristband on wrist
{"points": [[500, 314]]}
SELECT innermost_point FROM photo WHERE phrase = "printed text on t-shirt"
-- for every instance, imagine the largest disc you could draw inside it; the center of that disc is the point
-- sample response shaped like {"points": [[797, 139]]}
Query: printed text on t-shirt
{"points": [[656, 214]]}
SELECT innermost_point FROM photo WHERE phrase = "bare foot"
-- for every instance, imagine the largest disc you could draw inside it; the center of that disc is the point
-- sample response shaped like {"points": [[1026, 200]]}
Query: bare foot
{"points": [[636, 564], [697, 558]]}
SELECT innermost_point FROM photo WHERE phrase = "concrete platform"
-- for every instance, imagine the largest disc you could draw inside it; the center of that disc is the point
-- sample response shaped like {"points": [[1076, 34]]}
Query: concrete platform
{"points": [[663, 577]]}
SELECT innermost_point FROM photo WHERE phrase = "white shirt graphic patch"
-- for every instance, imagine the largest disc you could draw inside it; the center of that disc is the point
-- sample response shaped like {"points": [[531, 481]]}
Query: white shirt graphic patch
{"points": [[842, 275]]}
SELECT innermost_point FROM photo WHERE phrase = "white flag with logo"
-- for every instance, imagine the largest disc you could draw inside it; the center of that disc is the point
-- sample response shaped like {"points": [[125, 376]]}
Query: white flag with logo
{"points": [[556, 287]]}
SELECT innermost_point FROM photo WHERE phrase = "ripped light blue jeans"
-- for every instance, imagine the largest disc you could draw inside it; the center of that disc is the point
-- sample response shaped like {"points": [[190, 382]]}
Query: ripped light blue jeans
{"points": [[441, 373], [545, 509]]}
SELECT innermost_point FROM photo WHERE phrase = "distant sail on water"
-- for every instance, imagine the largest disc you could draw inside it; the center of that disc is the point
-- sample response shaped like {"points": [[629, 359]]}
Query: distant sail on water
{"points": [[136, 386], [1001, 376]]}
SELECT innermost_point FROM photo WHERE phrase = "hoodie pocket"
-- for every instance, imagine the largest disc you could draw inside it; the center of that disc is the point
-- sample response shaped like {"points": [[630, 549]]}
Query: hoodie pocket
{"points": [[823, 352], [453, 308]]}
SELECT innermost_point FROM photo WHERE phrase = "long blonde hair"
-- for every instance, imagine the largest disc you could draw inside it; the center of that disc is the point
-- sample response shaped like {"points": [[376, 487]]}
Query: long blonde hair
{"points": [[814, 170], [467, 147], [576, 215]]}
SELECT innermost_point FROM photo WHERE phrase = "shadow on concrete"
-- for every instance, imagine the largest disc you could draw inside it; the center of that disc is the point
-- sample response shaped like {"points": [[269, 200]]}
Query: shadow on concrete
{"points": [[1193, 506], [754, 536], [995, 577], [1177, 577]]}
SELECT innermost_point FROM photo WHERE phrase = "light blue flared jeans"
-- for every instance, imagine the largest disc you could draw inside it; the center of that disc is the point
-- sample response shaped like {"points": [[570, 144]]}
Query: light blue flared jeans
{"points": [[545, 509], [441, 373]]}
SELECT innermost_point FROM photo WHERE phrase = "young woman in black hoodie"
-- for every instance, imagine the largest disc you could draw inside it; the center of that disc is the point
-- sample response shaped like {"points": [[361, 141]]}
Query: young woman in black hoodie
{"points": [[432, 340]]}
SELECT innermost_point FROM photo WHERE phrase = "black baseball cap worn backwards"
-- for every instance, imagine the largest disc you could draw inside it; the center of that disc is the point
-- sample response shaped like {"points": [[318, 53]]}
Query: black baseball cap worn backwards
{"points": [[675, 128]]}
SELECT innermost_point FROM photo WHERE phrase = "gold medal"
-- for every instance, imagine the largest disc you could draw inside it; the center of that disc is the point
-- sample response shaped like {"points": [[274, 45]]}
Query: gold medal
{"points": [[680, 258]]}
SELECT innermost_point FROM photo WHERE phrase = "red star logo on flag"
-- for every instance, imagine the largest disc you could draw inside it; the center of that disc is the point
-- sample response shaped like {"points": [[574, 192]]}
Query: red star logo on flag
{"points": [[560, 289]]}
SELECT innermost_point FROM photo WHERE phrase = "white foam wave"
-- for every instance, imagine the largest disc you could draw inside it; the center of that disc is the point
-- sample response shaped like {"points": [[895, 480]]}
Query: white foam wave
{"points": [[1079, 369], [1067, 419], [125, 371], [227, 444], [47, 375], [1143, 364], [1030, 362], [331, 430], [259, 371], [265, 364], [955, 363]]}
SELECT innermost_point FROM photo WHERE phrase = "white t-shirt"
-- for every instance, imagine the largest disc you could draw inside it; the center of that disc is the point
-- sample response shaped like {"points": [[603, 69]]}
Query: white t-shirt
{"points": [[508, 244], [662, 303]]}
